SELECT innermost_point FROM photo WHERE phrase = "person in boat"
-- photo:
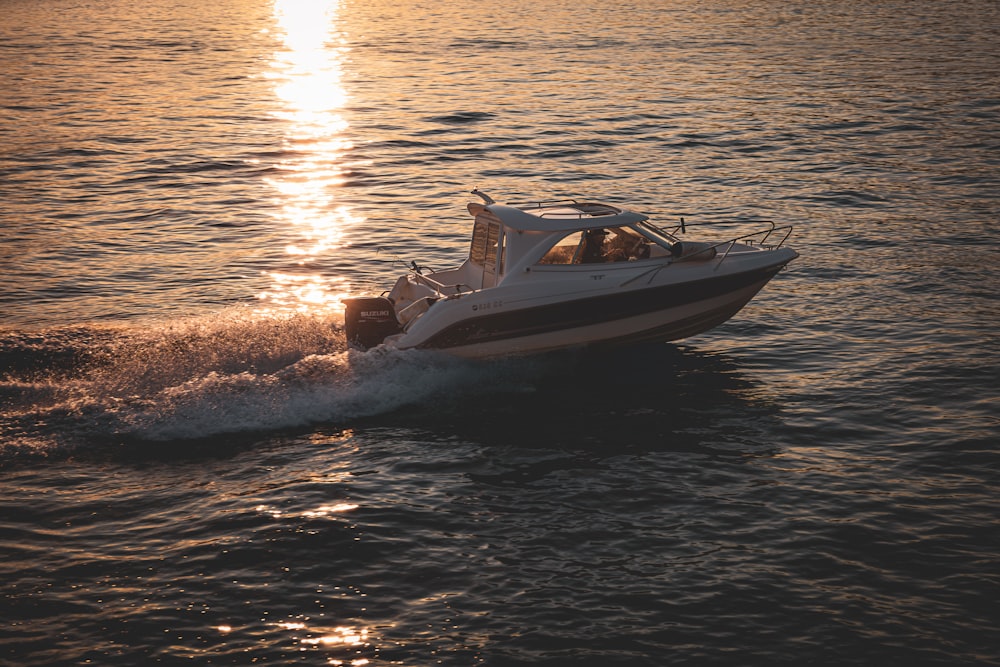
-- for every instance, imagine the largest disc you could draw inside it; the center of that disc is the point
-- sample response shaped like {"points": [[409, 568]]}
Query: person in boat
{"points": [[597, 247], [593, 246]]}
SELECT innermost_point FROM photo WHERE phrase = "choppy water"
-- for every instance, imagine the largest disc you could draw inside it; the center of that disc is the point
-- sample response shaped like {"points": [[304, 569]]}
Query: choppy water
{"points": [[194, 469]]}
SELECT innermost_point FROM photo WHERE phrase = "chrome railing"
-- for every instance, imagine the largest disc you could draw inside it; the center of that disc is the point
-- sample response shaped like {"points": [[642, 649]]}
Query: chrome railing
{"points": [[749, 239]]}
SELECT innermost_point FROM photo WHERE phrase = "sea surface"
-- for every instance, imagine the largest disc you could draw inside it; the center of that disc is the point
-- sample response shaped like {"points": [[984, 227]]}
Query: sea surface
{"points": [[194, 469]]}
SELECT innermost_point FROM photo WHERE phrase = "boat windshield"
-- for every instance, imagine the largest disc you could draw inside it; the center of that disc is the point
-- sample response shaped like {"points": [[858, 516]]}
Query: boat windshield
{"points": [[598, 245]]}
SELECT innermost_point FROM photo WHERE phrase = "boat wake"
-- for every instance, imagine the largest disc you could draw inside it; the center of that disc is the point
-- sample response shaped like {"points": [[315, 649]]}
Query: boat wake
{"points": [[83, 388]]}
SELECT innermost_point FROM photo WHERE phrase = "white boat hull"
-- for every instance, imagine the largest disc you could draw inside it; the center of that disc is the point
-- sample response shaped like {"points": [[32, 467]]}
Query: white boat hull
{"points": [[649, 314]]}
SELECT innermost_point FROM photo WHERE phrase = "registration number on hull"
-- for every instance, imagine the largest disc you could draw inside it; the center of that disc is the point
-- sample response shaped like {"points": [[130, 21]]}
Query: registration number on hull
{"points": [[488, 305]]}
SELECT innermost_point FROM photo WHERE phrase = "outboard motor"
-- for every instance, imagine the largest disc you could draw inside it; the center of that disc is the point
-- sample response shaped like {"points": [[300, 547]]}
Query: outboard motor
{"points": [[368, 320]]}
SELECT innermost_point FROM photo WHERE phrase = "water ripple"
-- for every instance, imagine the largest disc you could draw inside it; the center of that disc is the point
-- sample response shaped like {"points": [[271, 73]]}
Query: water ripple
{"points": [[194, 471]]}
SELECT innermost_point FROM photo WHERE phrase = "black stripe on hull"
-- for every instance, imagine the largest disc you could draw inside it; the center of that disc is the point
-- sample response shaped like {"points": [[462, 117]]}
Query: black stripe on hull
{"points": [[678, 329], [596, 310]]}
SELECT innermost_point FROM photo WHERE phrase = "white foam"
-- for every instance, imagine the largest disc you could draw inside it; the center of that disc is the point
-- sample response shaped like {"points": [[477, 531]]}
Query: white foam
{"points": [[230, 373]]}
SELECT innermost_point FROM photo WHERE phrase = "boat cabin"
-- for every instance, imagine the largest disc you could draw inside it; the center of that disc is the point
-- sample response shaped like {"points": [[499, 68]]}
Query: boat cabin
{"points": [[511, 243]]}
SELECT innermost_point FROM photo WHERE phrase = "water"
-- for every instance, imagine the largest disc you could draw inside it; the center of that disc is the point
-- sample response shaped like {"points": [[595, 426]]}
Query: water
{"points": [[194, 468]]}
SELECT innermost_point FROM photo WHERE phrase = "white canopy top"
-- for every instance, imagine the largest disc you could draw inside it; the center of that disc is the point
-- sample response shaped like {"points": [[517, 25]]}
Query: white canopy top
{"points": [[559, 216]]}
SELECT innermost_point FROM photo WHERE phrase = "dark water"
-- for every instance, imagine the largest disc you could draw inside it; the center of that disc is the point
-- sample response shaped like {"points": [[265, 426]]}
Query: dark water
{"points": [[193, 469]]}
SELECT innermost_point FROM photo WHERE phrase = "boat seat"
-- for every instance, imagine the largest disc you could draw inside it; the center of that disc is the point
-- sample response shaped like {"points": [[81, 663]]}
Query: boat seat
{"points": [[406, 290], [415, 310]]}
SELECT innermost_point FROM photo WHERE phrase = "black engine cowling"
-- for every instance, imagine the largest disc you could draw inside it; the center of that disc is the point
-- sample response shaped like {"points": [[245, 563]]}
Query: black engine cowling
{"points": [[368, 320]]}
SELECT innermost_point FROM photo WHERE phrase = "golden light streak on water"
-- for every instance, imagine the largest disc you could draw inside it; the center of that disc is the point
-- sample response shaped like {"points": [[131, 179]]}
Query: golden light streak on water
{"points": [[327, 510], [307, 74], [305, 292], [319, 512], [342, 635]]}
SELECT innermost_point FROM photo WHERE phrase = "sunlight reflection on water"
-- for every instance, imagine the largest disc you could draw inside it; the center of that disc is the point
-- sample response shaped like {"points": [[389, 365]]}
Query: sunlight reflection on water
{"points": [[307, 73]]}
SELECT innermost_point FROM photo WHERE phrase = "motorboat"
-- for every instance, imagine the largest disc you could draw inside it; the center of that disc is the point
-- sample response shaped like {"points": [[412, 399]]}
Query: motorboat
{"points": [[557, 274]]}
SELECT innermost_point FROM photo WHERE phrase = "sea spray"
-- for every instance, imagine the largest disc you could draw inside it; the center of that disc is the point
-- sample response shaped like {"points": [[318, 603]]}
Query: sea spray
{"points": [[63, 387], [234, 372]]}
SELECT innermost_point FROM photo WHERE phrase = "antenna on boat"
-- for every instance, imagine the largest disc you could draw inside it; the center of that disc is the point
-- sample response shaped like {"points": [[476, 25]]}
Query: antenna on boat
{"points": [[683, 231], [485, 197]]}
